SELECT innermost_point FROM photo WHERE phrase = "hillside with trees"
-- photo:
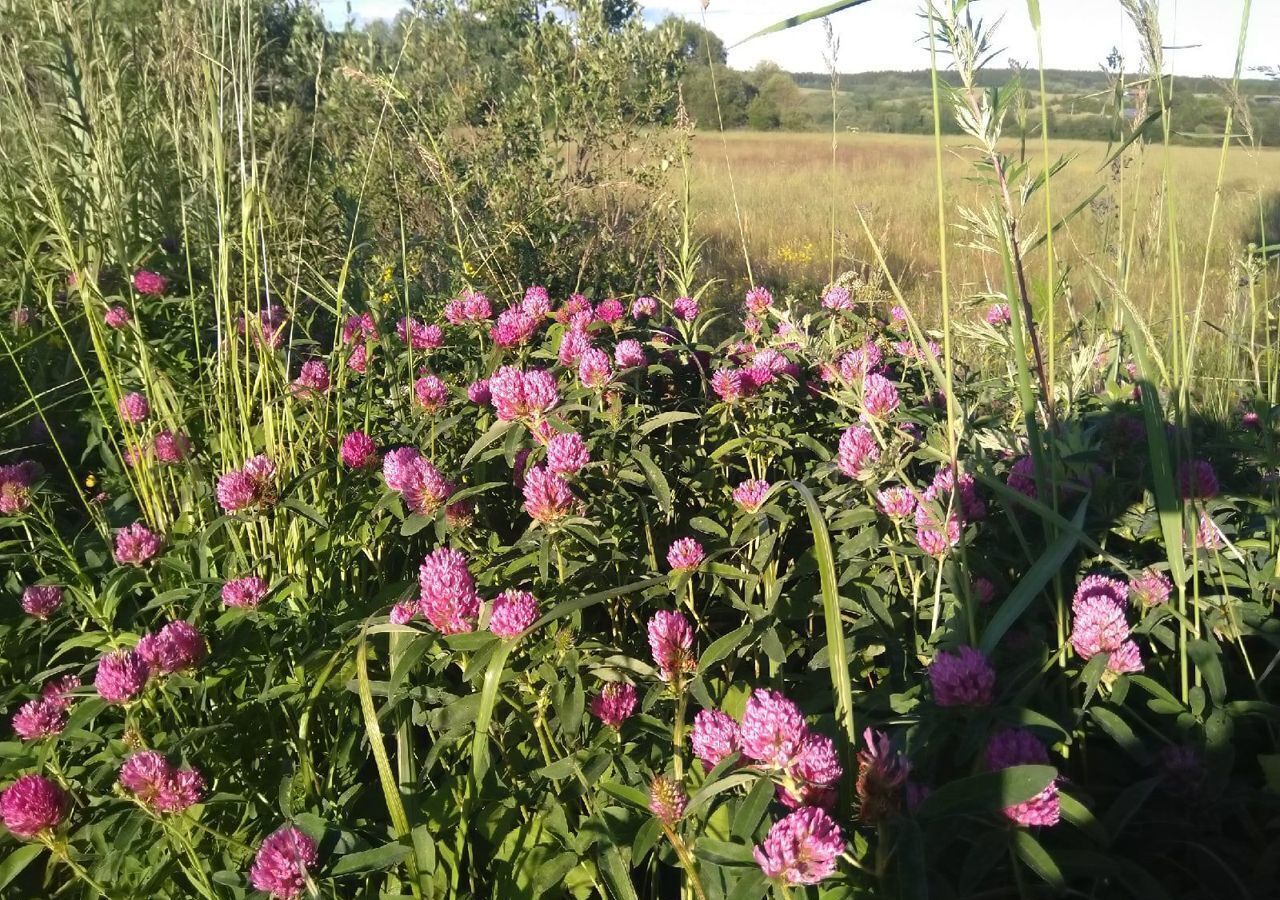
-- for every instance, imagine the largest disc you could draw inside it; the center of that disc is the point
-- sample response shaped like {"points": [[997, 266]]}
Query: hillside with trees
{"points": [[1082, 104]]}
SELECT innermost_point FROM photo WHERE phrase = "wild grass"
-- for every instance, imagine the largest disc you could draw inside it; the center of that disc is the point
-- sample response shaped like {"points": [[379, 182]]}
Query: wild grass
{"points": [[786, 184]]}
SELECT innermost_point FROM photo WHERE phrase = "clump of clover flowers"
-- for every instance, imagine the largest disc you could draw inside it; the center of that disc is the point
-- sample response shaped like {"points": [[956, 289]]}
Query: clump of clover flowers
{"points": [[774, 739]]}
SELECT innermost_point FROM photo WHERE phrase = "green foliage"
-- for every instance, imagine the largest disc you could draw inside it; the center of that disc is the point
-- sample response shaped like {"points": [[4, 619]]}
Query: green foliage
{"points": [[700, 100], [764, 100], [699, 46]]}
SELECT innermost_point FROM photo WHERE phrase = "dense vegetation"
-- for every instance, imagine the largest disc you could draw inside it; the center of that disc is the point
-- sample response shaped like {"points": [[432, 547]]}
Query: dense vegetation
{"points": [[392, 506]]}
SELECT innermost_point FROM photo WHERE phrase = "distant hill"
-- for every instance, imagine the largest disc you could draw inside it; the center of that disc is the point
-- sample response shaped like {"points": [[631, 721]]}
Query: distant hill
{"points": [[1057, 81], [1082, 104]]}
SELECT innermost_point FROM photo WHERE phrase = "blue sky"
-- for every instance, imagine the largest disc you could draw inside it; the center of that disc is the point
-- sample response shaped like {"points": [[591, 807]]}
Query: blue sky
{"points": [[884, 34]]}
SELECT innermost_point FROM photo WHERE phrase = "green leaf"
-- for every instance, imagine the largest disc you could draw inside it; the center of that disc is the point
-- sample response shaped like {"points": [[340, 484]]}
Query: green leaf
{"points": [[801, 18], [1254, 708], [723, 646], [708, 526], [1026, 590], [724, 853], [496, 430], [724, 571], [18, 860], [1033, 10], [307, 510], [424, 848], [229, 878], [1120, 732], [1063, 220], [1126, 805], [475, 490], [1038, 859], [1080, 816], [752, 809], [1270, 765], [1091, 677], [1155, 689], [666, 418], [912, 865], [750, 886], [704, 794], [374, 860], [577, 603], [1092, 865], [1153, 116], [1168, 506], [657, 481], [561, 768], [626, 794], [488, 701], [409, 656], [646, 836], [987, 791], [1205, 655], [617, 880], [390, 788], [837, 650], [415, 523]]}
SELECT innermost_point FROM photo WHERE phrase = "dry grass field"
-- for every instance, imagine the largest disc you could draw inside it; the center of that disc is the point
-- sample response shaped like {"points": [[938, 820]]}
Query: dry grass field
{"points": [[785, 185]]}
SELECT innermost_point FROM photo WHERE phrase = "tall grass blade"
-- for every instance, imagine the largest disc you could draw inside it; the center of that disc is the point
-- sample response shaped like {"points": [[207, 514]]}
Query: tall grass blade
{"points": [[1040, 574], [1152, 117], [1168, 506], [800, 19], [484, 716], [837, 648], [390, 789]]}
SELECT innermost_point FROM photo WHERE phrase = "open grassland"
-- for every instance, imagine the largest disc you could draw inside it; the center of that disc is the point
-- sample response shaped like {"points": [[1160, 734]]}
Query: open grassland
{"points": [[785, 186]]}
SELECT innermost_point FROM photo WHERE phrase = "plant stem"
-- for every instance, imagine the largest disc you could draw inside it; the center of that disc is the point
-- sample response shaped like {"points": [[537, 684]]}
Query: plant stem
{"points": [[686, 859]]}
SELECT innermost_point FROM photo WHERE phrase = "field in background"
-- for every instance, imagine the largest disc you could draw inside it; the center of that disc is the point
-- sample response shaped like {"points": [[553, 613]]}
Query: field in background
{"points": [[784, 187]]}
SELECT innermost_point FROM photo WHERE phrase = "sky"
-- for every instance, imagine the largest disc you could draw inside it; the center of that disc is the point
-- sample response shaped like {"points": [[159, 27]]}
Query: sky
{"points": [[884, 34]]}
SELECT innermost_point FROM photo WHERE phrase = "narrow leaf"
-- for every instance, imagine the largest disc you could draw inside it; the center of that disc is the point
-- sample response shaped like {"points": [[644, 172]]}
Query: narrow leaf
{"points": [[752, 809], [617, 880], [1152, 117], [18, 860], [837, 651], [1032, 583], [666, 418], [657, 481], [723, 646], [390, 789], [801, 18], [496, 430], [1167, 503], [626, 793], [1038, 859], [383, 857], [987, 791], [488, 700]]}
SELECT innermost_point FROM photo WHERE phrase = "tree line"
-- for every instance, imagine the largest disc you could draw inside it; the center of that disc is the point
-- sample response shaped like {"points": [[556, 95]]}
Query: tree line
{"points": [[1092, 105]]}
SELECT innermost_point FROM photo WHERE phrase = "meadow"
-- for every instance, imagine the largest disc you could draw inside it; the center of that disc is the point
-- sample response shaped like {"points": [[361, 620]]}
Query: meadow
{"points": [[428, 470], [786, 182]]}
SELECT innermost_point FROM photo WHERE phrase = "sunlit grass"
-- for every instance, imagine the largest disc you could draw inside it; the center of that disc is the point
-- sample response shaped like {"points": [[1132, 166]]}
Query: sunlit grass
{"points": [[786, 184]]}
